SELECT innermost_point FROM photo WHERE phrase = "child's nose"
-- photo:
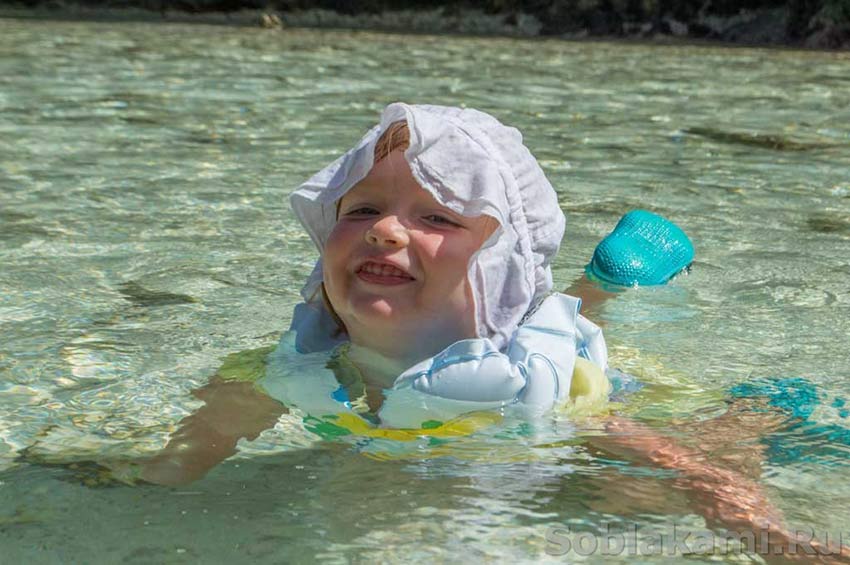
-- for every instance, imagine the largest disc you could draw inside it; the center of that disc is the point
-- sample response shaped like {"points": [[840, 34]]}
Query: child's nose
{"points": [[389, 232]]}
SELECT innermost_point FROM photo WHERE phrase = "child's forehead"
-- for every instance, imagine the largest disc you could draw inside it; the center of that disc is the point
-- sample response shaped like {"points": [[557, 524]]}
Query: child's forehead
{"points": [[367, 188], [390, 179]]}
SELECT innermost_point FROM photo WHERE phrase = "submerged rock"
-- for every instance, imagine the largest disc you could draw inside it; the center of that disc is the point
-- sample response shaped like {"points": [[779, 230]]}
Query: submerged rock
{"points": [[765, 141], [829, 223], [141, 296]]}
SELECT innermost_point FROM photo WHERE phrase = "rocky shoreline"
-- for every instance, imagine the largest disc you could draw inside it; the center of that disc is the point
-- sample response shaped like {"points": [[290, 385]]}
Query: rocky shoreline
{"points": [[827, 28]]}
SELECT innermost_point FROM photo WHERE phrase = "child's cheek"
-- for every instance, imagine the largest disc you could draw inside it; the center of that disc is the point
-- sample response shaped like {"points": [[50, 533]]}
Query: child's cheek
{"points": [[337, 250], [434, 246], [449, 258], [340, 237], [452, 249]]}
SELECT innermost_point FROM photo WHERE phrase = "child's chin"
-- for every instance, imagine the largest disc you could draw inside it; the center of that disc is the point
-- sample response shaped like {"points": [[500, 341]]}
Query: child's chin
{"points": [[380, 311]]}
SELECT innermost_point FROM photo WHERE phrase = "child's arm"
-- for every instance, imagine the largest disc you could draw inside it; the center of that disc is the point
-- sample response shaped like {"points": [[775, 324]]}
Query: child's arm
{"points": [[592, 295], [643, 249], [233, 410]]}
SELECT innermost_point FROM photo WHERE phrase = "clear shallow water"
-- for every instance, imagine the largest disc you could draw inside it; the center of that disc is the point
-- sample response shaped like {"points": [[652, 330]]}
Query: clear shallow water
{"points": [[145, 234]]}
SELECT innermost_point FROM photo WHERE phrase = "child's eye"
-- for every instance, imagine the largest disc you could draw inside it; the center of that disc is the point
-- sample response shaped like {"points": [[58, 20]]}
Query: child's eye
{"points": [[362, 211], [437, 219]]}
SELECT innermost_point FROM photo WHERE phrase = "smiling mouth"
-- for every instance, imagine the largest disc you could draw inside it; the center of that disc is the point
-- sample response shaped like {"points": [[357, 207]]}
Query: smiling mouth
{"points": [[380, 273]]}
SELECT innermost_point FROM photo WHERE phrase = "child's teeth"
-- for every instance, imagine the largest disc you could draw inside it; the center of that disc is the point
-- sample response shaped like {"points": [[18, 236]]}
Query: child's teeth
{"points": [[384, 270]]}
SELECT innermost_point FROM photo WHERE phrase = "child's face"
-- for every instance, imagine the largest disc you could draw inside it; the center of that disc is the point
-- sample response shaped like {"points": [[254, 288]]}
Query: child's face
{"points": [[395, 264]]}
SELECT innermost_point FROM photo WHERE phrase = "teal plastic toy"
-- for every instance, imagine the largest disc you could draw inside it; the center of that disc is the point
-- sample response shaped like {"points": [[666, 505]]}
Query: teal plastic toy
{"points": [[644, 249]]}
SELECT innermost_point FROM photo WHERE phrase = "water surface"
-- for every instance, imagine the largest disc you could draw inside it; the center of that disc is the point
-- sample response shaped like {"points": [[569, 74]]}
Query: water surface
{"points": [[145, 235]]}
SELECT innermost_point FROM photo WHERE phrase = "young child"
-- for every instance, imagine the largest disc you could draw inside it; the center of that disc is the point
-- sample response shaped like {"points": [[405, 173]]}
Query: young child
{"points": [[432, 298], [436, 235]]}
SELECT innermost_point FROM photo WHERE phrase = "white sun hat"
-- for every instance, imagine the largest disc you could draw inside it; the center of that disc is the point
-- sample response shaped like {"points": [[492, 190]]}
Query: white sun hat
{"points": [[472, 164]]}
